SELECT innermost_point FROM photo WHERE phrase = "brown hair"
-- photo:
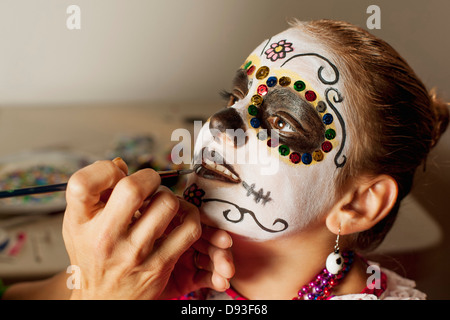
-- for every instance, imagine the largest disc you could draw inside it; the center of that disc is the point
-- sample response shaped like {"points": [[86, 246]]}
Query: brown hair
{"points": [[394, 117]]}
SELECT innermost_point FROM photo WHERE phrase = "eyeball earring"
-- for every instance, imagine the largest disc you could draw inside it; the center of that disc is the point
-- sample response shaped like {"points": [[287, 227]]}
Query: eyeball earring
{"points": [[322, 286], [335, 261]]}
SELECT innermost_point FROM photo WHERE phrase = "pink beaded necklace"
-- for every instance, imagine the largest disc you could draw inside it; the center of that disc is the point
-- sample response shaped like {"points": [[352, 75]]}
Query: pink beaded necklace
{"points": [[321, 287]]}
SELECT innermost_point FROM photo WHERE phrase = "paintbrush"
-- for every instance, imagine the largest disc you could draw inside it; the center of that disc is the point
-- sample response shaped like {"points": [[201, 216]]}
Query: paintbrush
{"points": [[63, 186]]}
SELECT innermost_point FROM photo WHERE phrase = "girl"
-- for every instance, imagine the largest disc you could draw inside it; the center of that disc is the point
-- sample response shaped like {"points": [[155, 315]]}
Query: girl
{"points": [[305, 171], [345, 122]]}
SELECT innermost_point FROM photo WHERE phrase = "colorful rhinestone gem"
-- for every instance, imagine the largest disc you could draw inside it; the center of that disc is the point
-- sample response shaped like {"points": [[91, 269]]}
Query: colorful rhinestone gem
{"points": [[310, 95], [299, 85], [306, 158], [317, 155], [272, 81], [262, 135], [252, 110], [284, 81], [327, 146], [321, 106], [272, 144], [250, 70], [327, 118], [257, 100], [248, 64], [283, 150], [262, 72], [255, 123], [330, 134], [262, 90], [295, 157]]}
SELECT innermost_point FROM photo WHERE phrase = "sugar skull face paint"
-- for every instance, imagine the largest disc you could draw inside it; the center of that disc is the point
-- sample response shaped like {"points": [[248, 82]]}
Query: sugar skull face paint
{"points": [[285, 98]]}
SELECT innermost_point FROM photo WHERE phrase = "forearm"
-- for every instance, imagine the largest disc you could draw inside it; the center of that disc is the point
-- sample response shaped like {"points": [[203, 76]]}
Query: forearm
{"points": [[52, 288]]}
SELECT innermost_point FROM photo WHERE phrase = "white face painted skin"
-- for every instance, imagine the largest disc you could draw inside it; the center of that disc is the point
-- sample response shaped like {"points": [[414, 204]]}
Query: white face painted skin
{"points": [[246, 196]]}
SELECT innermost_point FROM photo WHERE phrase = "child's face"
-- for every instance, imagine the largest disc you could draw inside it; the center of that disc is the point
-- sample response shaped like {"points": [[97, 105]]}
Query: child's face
{"points": [[272, 180]]}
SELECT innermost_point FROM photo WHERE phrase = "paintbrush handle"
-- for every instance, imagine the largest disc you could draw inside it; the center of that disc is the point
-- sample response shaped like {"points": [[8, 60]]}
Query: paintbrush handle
{"points": [[63, 186], [33, 190]]}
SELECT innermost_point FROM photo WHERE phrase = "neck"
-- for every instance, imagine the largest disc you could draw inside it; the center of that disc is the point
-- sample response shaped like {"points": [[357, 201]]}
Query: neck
{"points": [[263, 271]]}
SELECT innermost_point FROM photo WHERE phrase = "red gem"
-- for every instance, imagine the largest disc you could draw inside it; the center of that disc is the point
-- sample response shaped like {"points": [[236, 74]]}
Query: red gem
{"points": [[262, 90], [269, 143], [327, 146], [295, 157], [327, 291], [310, 95], [333, 282], [250, 70]]}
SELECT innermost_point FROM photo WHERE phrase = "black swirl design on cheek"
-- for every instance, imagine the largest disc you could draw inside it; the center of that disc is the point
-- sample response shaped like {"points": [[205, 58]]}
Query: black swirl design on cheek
{"points": [[338, 99], [243, 211], [319, 72]]}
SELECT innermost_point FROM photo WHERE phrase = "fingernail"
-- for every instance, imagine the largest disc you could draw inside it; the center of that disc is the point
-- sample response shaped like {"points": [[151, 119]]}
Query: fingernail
{"points": [[117, 159]]}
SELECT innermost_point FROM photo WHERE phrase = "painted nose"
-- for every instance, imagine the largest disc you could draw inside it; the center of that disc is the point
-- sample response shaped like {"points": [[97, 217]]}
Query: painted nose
{"points": [[228, 123]]}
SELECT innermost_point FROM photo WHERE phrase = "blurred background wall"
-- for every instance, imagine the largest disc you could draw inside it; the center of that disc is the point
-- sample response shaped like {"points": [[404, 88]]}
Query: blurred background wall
{"points": [[181, 53], [181, 50]]}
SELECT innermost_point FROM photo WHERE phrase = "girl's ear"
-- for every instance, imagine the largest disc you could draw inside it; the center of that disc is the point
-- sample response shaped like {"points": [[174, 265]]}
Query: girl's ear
{"points": [[365, 202]]}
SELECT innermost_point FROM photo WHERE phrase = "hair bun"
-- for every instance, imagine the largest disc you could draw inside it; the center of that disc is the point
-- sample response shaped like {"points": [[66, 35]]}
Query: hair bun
{"points": [[441, 115]]}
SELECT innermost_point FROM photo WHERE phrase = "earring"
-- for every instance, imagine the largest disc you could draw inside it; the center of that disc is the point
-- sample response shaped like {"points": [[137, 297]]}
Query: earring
{"points": [[335, 261]]}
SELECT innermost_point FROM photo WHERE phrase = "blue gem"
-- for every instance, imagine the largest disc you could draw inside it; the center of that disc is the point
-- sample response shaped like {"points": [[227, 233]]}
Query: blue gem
{"points": [[271, 81], [255, 123], [306, 158], [327, 118]]}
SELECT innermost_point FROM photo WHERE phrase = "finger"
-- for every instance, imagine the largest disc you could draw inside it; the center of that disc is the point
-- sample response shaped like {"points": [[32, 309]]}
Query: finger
{"points": [[219, 283], [214, 259], [181, 238], [154, 219], [121, 164], [222, 262], [127, 197], [217, 237], [86, 186], [207, 279]]}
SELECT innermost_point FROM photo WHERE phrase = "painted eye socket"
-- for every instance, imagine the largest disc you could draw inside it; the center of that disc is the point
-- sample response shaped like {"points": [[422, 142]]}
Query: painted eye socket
{"points": [[280, 124]]}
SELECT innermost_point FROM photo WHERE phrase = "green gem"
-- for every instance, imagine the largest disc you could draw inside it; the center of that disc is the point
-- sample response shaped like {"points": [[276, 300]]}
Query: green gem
{"points": [[252, 110], [330, 134], [299, 85], [283, 150], [248, 64]]}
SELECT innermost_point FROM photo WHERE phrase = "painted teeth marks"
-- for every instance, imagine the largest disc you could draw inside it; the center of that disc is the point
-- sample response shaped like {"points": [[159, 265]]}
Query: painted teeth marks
{"points": [[218, 168]]}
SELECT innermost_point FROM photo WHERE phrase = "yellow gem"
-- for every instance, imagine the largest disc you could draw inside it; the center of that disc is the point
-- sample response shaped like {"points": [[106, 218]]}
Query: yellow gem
{"points": [[317, 155]]}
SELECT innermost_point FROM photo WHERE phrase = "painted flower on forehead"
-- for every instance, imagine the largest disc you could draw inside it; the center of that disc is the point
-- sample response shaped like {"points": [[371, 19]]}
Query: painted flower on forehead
{"points": [[278, 50], [194, 194]]}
